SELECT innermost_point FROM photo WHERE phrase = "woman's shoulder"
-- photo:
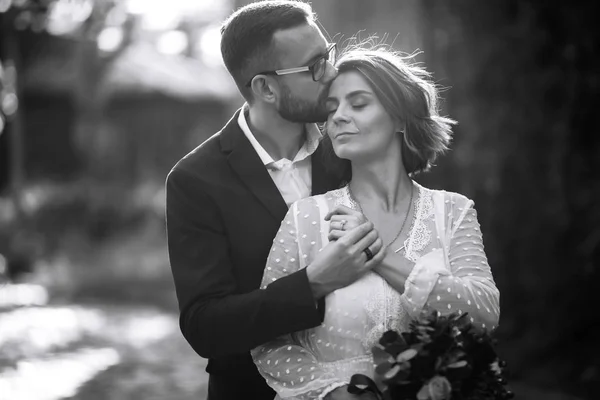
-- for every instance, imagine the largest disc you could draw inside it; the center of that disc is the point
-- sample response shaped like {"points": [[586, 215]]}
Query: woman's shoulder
{"points": [[312, 203], [331, 196], [450, 198]]}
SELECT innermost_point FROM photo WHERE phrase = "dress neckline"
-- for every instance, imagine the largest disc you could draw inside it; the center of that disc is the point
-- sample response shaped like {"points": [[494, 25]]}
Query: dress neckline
{"points": [[417, 221]]}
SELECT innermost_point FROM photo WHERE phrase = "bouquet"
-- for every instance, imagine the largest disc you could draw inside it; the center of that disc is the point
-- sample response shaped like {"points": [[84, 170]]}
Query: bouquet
{"points": [[439, 358]]}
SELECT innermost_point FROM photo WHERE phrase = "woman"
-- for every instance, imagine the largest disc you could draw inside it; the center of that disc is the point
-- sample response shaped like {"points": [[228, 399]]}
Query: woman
{"points": [[383, 121]]}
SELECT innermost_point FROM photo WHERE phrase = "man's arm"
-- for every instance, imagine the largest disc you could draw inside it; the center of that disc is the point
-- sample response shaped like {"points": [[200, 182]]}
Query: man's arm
{"points": [[214, 319]]}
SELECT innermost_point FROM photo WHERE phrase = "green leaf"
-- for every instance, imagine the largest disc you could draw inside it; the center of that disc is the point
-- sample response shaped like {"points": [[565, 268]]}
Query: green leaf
{"points": [[391, 373], [380, 355], [458, 364], [406, 355], [383, 368]]}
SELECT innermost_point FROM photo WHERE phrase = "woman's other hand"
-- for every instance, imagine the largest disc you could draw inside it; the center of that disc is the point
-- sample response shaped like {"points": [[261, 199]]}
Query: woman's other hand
{"points": [[341, 220]]}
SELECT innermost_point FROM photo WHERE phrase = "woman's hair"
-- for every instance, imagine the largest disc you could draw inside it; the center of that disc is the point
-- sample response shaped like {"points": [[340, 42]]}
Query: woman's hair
{"points": [[409, 96], [247, 36]]}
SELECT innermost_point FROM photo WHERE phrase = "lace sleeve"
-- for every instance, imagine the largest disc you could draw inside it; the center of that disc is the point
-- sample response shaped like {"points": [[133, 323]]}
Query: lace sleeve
{"points": [[283, 257], [288, 366], [466, 285], [293, 371]]}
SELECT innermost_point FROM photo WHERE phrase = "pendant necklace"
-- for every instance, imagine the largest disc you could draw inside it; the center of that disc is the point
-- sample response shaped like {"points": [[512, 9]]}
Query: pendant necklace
{"points": [[357, 205]]}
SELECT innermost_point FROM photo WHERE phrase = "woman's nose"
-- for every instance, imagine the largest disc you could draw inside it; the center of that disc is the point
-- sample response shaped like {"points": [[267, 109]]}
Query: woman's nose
{"points": [[340, 116]]}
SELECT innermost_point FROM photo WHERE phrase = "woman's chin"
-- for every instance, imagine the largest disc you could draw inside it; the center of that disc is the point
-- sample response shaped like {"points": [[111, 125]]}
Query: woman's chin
{"points": [[347, 151], [351, 152], [345, 155]]}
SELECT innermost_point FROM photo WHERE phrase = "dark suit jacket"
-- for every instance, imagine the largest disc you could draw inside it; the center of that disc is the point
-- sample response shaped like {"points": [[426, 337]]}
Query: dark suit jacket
{"points": [[223, 211]]}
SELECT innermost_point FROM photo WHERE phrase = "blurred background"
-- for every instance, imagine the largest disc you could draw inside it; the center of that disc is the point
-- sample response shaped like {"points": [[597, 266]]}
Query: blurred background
{"points": [[99, 98]]}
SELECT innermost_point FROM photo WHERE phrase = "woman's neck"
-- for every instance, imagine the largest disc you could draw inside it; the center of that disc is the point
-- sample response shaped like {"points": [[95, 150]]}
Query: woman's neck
{"points": [[279, 137], [382, 183]]}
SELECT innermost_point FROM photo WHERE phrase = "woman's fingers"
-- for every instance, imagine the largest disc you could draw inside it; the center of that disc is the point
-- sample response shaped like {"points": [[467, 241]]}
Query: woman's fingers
{"points": [[344, 223], [341, 225], [360, 238], [341, 210], [343, 220], [357, 234]]}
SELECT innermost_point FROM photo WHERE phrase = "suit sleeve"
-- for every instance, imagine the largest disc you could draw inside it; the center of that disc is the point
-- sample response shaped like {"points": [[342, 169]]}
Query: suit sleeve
{"points": [[215, 318]]}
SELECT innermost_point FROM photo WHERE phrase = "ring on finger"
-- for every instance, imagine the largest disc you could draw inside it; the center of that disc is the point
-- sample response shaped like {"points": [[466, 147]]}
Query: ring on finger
{"points": [[343, 223], [368, 253]]}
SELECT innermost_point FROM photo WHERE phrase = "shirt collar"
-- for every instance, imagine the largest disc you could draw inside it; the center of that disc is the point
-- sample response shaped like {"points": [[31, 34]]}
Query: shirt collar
{"points": [[313, 138]]}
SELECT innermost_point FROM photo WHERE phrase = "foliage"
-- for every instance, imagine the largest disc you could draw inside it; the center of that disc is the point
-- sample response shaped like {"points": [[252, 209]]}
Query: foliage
{"points": [[58, 216], [440, 357]]}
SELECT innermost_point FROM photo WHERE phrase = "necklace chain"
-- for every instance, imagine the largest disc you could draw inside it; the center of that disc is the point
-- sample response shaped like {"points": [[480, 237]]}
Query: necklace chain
{"points": [[357, 204]]}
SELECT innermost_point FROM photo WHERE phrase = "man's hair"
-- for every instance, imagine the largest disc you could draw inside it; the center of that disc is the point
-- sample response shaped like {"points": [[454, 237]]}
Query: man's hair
{"points": [[247, 37], [409, 96]]}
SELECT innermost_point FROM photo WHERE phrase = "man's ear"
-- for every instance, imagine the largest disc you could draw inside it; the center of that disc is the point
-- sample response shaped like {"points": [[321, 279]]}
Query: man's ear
{"points": [[264, 88]]}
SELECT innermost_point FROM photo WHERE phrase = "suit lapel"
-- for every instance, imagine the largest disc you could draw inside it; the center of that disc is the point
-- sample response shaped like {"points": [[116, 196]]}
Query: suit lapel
{"points": [[323, 180], [246, 163], [320, 183]]}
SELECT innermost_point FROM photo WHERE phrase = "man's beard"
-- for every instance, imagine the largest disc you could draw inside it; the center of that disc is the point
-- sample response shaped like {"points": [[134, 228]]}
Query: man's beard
{"points": [[297, 110]]}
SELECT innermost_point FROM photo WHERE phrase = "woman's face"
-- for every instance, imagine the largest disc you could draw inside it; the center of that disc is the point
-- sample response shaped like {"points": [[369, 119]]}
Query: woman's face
{"points": [[358, 125]]}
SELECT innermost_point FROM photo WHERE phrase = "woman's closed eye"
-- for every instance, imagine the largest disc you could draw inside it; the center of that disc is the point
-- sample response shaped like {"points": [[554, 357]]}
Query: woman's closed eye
{"points": [[331, 106], [358, 106]]}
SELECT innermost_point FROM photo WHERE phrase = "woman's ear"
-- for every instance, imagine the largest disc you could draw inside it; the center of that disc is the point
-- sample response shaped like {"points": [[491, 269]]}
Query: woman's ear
{"points": [[400, 127], [263, 88]]}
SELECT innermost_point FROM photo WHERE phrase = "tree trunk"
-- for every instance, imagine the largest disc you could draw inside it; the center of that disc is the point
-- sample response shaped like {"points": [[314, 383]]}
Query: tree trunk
{"points": [[11, 60]]}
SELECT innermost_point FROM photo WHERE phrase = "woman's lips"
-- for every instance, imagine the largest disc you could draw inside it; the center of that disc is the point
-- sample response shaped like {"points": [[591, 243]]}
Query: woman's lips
{"points": [[342, 134]]}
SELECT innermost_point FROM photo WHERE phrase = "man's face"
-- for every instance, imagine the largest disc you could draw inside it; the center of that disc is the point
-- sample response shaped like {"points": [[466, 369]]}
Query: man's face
{"points": [[299, 97]]}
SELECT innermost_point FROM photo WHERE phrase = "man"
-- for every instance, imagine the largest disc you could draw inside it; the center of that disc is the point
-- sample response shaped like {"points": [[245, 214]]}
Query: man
{"points": [[227, 198]]}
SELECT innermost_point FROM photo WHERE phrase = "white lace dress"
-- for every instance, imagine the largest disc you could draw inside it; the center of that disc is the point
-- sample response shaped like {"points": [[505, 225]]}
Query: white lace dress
{"points": [[450, 274]]}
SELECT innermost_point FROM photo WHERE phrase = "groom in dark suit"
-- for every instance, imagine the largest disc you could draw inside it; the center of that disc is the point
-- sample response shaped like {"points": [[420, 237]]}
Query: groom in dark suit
{"points": [[227, 198]]}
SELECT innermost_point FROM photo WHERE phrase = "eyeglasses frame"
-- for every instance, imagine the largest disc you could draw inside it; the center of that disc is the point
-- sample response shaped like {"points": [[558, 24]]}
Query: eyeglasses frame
{"points": [[295, 70]]}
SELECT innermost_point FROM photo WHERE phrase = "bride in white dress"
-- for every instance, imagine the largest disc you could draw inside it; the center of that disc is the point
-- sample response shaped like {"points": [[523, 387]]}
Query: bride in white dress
{"points": [[383, 121]]}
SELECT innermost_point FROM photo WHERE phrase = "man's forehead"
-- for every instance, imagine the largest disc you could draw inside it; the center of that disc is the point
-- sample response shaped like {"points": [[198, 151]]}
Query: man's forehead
{"points": [[300, 43]]}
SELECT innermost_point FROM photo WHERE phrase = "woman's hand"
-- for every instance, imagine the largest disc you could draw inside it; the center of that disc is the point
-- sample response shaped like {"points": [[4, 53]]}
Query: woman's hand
{"points": [[341, 220], [394, 268]]}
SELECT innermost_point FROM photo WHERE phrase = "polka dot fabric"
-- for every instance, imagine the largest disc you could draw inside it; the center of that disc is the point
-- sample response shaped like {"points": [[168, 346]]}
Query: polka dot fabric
{"points": [[450, 274], [455, 277]]}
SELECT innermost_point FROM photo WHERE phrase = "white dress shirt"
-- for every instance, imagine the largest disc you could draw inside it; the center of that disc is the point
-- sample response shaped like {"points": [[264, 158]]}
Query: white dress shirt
{"points": [[292, 177]]}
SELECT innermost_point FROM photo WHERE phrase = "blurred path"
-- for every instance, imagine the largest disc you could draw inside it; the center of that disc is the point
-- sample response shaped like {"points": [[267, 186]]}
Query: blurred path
{"points": [[96, 352], [101, 352]]}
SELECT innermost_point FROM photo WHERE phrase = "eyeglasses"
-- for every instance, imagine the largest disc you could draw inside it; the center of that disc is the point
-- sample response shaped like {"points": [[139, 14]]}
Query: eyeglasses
{"points": [[317, 67]]}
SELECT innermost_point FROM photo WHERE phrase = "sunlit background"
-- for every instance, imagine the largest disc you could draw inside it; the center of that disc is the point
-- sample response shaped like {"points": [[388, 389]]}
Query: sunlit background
{"points": [[99, 98]]}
